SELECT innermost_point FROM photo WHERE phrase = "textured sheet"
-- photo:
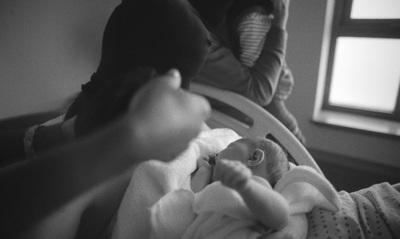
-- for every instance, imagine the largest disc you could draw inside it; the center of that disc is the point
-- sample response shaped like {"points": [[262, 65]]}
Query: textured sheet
{"points": [[373, 212]]}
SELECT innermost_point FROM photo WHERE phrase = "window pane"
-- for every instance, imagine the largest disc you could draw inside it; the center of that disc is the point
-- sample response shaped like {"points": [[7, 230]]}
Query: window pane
{"points": [[366, 73], [375, 9]]}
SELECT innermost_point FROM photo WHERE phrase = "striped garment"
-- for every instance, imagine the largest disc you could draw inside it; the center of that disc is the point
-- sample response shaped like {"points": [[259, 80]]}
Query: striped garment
{"points": [[252, 30]]}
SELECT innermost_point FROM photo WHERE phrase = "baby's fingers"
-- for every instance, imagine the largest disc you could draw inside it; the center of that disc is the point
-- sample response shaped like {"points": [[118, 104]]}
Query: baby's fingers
{"points": [[232, 173]]}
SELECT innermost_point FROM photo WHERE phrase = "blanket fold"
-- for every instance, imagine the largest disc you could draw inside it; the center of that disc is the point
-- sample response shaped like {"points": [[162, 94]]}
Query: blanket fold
{"points": [[154, 179]]}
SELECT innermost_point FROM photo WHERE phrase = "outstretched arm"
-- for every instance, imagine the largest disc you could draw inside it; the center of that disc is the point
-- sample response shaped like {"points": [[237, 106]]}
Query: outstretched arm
{"points": [[267, 205], [57, 193], [13, 130]]}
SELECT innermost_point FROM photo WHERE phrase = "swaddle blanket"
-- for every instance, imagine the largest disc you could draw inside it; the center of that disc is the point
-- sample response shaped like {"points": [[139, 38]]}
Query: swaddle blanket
{"points": [[215, 212], [154, 179], [159, 203]]}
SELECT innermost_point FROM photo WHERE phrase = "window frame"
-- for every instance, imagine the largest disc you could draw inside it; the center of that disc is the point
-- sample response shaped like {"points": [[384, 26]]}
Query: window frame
{"points": [[343, 26]]}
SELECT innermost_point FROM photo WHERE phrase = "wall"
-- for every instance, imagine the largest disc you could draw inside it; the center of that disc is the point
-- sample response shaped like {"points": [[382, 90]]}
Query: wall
{"points": [[48, 48], [305, 29]]}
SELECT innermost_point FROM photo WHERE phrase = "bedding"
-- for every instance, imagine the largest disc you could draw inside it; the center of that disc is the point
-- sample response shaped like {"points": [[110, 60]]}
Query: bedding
{"points": [[220, 212], [372, 212], [159, 203], [153, 179]]}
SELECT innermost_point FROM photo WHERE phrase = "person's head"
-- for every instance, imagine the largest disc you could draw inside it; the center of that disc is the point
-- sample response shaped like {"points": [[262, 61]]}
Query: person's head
{"points": [[264, 157], [148, 33], [160, 34]]}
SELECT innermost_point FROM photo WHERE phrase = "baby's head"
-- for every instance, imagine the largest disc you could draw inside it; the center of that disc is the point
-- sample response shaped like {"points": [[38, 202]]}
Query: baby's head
{"points": [[265, 158]]}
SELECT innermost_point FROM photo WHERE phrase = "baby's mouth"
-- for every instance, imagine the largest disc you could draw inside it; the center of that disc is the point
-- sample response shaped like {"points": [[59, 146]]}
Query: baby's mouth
{"points": [[211, 160]]}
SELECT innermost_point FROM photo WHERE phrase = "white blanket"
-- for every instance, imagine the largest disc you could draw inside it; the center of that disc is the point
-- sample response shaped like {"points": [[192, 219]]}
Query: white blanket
{"points": [[154, 179], [159, 203]]}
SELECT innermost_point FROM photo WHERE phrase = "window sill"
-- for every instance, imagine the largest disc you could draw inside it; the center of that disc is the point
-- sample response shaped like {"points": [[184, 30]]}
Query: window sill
{"points": [[356, 122]]}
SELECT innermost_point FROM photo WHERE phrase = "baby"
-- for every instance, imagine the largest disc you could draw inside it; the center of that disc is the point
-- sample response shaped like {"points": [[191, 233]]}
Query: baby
{"points": [[251, 166]]}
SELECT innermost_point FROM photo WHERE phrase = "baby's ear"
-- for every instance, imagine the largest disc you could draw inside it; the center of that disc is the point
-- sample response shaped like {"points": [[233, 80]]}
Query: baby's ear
{"points": [[255, 158]]}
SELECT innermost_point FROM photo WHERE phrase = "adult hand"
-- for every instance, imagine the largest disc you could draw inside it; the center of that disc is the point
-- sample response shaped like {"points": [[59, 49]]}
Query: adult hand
{"points": [[165, 117], [281, 13], [285, 84]]}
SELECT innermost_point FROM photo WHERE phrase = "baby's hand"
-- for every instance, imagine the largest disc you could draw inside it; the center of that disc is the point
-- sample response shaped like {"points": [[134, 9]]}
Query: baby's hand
{"points": [[233, 174], [202, 176]]}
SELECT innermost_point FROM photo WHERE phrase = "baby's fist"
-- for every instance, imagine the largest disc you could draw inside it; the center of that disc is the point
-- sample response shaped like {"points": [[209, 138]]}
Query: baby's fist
{"points": [[233, 174]]}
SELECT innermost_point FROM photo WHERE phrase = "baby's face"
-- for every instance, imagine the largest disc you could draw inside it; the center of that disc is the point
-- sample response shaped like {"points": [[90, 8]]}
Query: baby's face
{"points": [[239, 150], [243, 150]]}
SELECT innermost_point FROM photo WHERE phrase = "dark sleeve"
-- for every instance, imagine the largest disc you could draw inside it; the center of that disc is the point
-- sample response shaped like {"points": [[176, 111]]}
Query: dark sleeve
{"points": [[258, 83]]}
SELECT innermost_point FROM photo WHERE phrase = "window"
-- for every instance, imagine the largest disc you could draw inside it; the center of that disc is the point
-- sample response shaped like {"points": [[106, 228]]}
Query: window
{"points": [[360, 65]]}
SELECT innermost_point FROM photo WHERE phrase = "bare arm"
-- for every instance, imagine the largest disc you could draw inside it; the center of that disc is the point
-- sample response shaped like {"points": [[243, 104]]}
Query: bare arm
{"points": [[54, 194], [258, 83], [268, 206], [12, 132], [44, 190]]}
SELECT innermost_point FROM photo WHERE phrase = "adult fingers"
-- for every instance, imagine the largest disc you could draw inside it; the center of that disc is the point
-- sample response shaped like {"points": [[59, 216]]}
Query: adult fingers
{"points": [[173, 78]]}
